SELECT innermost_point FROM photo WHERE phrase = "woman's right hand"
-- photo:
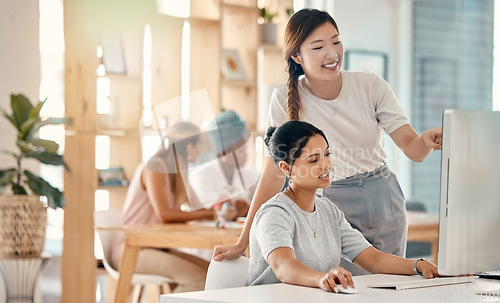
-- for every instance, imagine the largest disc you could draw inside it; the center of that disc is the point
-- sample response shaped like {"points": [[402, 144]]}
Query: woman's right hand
{"points": [[228, 252], [335, 276]]}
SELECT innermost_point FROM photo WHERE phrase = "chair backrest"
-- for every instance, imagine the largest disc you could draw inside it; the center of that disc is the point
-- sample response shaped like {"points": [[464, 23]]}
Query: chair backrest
{"points": [[227, 273], [108, 217], [415, 205]]}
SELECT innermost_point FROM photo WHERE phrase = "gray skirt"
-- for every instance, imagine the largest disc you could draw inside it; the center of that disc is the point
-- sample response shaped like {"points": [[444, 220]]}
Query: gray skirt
{"points": [[374, 204]]}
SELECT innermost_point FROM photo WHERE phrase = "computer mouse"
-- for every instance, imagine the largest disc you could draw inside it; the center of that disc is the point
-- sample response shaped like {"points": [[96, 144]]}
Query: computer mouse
{"points": [[347, 290]]}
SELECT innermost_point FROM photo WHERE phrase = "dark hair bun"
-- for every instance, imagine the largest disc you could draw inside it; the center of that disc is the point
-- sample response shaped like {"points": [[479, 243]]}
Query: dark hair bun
{"points": [[269, 134]]}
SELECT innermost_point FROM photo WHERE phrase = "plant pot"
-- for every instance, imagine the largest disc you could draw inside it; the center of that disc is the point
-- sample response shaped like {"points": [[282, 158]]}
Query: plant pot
{"points": [[22, 225], [268, 33]]}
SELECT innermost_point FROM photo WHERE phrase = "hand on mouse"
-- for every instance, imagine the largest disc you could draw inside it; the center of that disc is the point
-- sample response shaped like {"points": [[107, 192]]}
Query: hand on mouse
{"points": [[335, 276]]}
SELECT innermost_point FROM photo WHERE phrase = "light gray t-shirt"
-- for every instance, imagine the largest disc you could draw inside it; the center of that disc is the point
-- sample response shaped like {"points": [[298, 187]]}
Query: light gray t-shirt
{"points": [[352, 123], [281, 223]]}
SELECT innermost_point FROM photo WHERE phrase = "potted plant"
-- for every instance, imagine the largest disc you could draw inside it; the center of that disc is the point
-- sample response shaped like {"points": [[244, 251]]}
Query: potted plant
{"points": [[24, 195], [268, 27]]}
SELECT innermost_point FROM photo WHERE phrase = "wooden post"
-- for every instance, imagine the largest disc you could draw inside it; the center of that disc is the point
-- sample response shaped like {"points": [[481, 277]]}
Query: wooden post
{"points": [[78, 261]]}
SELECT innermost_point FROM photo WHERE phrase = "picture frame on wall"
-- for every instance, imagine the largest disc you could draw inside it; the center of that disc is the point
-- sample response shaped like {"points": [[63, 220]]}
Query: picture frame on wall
{"points": [[232, 66], [112, 52], [367, 61]]}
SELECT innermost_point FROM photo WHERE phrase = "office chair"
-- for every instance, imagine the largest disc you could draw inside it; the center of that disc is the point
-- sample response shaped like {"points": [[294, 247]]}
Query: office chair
{"points": [[139, 281], [227, 273]]}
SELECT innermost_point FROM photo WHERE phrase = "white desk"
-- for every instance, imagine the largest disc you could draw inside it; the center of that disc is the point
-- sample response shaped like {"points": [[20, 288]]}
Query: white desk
{"points": [[296, 294]]}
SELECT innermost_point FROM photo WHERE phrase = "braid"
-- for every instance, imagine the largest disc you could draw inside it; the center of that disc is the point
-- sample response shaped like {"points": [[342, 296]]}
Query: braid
{"points": [[293, 98]]}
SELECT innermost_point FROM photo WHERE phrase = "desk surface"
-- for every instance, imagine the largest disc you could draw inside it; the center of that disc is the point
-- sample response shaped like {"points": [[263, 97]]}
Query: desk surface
{"points": [[205, 236], [290, 293]]}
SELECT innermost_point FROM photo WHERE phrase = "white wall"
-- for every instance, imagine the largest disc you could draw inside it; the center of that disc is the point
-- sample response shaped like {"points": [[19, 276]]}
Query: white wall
{"points": [[19, 62], [384, 26]]}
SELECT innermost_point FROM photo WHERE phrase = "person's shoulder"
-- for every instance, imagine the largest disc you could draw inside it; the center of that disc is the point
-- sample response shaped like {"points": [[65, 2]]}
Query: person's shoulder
{"points": [[280, 92], [276, 209], [282, 88], [328, 205], [277, 200], [361, 75], [278, 203]]}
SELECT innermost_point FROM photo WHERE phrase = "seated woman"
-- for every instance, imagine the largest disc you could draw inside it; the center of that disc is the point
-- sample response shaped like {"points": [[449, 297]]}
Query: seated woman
{"points": [[156, 196], [299, 238], [222, 176]]}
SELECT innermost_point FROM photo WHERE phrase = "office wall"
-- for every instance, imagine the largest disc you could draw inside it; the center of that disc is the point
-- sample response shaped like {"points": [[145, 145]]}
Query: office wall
{"points": [[383, 26], [369, 25], [453, 68], [19, 67], [19, 62]]}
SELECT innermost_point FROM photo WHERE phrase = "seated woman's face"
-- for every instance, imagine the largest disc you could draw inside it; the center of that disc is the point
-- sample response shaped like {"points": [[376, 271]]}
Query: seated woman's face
{"points": [[193, 151], [240, 149], [312, 169]]}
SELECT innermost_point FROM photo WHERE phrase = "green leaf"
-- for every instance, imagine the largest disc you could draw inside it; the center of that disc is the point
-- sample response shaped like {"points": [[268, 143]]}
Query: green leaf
{"points": [[35, 111], [50, 121], [18, 190], [21, 108], [268, 17], [27, 147], [41, 187], [55, 121], [7, 177], [47, 158], [27, 128], [37, 146], [48, 145]]}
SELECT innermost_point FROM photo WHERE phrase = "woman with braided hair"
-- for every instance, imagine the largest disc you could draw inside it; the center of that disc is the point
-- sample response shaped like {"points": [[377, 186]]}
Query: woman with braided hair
{"points": [[352, 108]]}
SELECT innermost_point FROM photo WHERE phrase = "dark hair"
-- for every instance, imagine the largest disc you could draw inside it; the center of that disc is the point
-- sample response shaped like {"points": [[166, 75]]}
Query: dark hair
{"points": [[299, 27], [285, 143]]}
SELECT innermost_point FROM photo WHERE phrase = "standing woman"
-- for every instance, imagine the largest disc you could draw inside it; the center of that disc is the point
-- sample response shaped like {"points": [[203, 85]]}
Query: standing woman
{"points": [[352, 108], [154, 196]]}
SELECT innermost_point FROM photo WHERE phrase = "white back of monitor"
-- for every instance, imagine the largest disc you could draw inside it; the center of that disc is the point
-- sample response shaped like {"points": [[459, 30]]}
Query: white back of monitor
{"points": [[469, 235]]}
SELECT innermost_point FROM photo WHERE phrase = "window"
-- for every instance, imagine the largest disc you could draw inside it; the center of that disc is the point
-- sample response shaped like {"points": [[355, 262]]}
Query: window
{"points": [[452, 68]]}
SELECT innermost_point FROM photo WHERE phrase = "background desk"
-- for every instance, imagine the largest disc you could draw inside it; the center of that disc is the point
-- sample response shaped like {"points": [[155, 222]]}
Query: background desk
{"points": [[273, 293], [175, 235], [424, 227]]}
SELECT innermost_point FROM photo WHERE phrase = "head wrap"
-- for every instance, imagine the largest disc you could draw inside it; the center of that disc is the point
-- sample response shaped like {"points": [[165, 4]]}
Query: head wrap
{"points": [[226, 130]]}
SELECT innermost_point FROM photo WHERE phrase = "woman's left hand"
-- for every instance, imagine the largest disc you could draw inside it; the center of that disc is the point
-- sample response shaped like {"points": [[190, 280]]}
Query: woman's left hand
{"points": [[428, 269], [433, 138]]}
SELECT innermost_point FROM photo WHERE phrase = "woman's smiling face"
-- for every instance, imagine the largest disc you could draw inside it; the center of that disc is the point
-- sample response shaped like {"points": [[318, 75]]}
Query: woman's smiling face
{"points": [[321, 53], [313, 168]]}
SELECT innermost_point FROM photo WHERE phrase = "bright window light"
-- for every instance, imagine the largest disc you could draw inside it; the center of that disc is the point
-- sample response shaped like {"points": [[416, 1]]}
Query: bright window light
{"points": [[102, 152], [147, 117], [174, 8], [101, 199], [185, 68], [150, 145]]}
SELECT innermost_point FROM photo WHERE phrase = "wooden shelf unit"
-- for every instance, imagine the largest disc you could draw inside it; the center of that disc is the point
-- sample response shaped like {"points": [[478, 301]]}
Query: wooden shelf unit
{"points": [[214, 25]]}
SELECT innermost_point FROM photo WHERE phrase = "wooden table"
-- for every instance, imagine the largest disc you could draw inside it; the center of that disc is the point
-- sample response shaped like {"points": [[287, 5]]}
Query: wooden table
{"points": [[424, 227], [174, 235]]}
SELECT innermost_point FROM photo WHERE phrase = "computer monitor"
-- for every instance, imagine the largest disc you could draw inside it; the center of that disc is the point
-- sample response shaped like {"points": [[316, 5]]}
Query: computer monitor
{"points": [[469, 221]]}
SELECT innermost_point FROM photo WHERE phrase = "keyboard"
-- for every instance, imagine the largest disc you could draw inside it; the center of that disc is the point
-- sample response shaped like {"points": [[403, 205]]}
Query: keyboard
{"points": [[495, 274], [419, 282]]}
